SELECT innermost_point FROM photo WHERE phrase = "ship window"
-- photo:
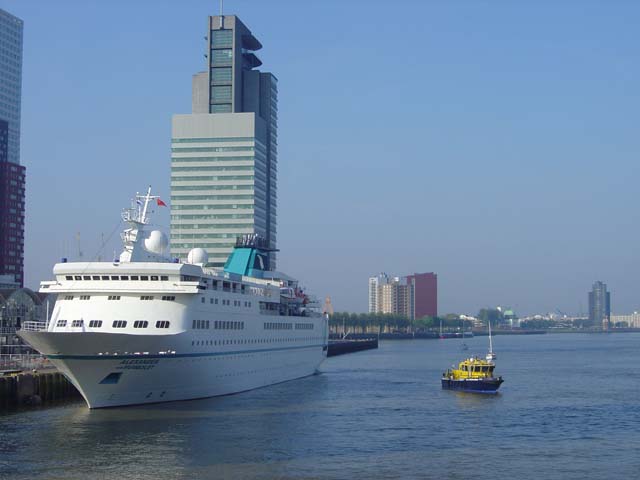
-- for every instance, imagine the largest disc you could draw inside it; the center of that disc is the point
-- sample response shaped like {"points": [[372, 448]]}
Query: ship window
{"points": [[77, 323], [78, 277], [95, 323], [164, 278], [154, 278], [124, 277], [162, 324], [61, 323], [134, 277], [119, 324], [202, 299], [105, 277], [216, 301], [68, 277], [169, 298], [96, 277], [86, 277], [146, 297], [68, 297], [85, 297], [113, 297], [140, 324], [144, 278], [214, 284]]}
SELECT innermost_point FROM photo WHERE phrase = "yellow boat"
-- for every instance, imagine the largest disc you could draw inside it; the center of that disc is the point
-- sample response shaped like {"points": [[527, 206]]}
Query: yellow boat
{"points": [[472, 375]]}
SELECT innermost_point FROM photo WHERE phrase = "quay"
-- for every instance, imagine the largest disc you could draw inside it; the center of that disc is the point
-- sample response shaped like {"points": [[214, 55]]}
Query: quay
{"points": [[18, 388], [341, 347]]}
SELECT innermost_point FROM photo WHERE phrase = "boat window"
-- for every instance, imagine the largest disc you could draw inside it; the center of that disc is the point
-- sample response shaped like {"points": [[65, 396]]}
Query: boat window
{"points": [[146, 297], [86, 277], [78, 277], [105, 277], [154, 278], [115, 277], [68, 277], [61, 323], [134, 277], [68, 297], [96, 277], [164, 278], [77, 323], [95, 323], [113, 297], [140, 324], [119, 324], [124, 277], [144, 278], [162, 324], [85, 297], [169, 298]]}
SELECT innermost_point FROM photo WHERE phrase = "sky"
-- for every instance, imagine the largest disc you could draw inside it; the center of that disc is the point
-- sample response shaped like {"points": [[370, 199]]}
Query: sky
{"points": [[492, 142]]}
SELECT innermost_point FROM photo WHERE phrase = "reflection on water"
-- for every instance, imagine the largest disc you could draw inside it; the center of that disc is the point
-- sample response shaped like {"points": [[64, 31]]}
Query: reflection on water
{"points": [[375, 414]]}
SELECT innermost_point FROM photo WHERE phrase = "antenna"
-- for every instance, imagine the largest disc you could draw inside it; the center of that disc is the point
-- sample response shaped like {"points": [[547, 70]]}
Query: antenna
{"points": [[78, 240], [221, 6]]}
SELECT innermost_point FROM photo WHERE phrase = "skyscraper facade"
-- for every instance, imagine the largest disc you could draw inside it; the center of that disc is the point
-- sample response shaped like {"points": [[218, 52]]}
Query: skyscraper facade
{"points": [[224, 154], [599, 305], [12, 174]]}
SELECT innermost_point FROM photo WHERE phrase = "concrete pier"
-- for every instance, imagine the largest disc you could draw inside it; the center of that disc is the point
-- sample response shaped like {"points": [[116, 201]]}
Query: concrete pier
{"points": [[24, 389], [340, 347]]}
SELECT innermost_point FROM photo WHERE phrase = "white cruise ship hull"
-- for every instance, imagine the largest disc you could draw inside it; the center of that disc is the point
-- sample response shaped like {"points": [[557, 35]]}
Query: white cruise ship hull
{"points": [[131, 379]]}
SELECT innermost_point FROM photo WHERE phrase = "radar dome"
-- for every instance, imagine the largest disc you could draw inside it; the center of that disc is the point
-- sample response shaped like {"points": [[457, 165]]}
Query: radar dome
{"points": [[157, 242], [197, 256]]}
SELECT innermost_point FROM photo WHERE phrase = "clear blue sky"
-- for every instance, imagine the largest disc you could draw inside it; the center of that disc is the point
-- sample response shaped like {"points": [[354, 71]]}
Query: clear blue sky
{"points": [[495, 143]]}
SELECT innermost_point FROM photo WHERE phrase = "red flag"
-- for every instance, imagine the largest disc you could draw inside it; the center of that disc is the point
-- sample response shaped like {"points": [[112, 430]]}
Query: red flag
{"points": [[160, 203]]}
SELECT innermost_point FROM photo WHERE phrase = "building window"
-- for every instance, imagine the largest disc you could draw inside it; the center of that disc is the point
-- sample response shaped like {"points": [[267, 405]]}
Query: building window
{"points": [[95, 323], [222, 38], [221, 75], [222, 57], [140, 324], [162, 324], [119, 324], [220, 94], [221, 108]]}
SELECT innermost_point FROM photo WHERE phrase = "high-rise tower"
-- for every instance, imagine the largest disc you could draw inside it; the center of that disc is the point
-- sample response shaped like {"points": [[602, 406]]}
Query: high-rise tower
{"points": [[12, 174], [599, 305], [224, 154]]}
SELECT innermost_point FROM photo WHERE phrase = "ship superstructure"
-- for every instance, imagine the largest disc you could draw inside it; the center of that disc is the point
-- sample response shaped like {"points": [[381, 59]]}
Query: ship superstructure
{"points": [[145, 328]]}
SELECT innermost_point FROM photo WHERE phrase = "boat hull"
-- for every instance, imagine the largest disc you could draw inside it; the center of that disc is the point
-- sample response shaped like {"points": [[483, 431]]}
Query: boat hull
{"points": [[483, 385], [119, 380]]}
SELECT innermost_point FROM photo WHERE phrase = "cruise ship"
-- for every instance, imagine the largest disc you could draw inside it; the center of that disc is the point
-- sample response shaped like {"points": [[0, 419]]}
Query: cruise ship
{"points": [[146, 328]]}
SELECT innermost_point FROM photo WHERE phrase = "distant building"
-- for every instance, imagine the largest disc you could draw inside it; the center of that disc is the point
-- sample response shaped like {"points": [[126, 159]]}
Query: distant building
{"points": [[414, 296], [12, 174], [632, 320], [17, 306], [224, 154], [374, 287], [424, 295], [600, 305]]}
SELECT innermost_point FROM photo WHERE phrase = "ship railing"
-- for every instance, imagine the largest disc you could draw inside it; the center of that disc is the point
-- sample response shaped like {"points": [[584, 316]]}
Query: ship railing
{"points": [[24, 361], [7, 330], [34, 326]]}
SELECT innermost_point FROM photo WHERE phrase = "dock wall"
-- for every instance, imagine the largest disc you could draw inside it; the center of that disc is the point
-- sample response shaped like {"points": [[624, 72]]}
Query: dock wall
{"points": [[21, 389]]}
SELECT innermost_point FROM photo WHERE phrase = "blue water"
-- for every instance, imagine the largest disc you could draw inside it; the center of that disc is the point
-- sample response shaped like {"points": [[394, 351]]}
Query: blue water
{"points": [[569, 409]]}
